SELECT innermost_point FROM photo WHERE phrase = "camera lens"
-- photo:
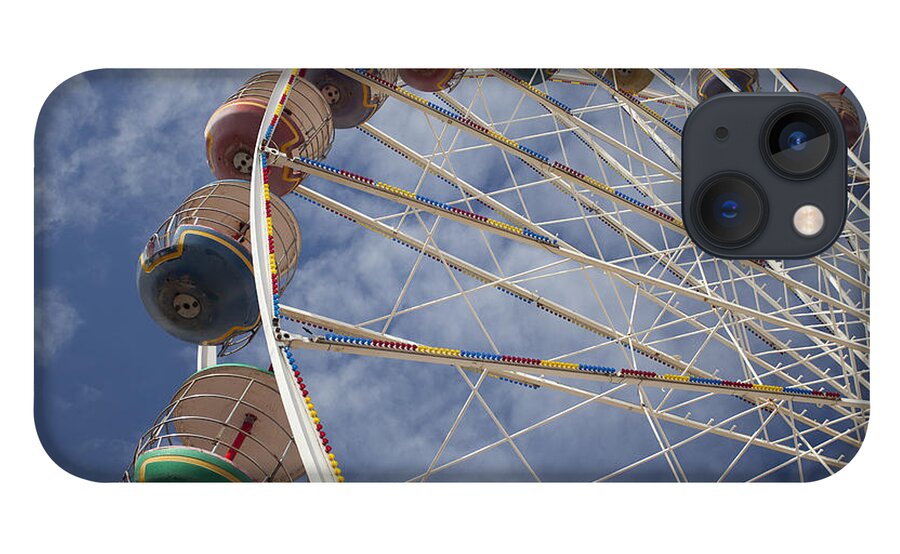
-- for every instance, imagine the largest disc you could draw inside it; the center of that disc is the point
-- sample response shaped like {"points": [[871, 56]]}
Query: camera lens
{"points": [[730, 209], [798, 142]]}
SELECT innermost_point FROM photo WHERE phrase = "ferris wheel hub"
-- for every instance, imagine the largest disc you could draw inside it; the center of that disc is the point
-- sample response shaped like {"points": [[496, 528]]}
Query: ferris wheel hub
{"points": [[186, 306], [332, 94], [243, 161]]}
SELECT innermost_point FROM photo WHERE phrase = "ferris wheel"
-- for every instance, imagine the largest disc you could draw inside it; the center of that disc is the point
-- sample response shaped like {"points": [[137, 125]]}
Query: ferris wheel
{"points": [[616, 345]]}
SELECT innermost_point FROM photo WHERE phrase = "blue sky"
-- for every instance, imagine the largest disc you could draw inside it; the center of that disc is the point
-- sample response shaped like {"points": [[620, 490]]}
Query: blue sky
{"points": [[117, 150]]}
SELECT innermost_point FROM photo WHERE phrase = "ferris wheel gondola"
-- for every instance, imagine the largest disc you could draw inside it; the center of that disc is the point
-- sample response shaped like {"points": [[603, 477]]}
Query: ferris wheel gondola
{"points": [[352, 103], [847, 112], [195, 277], [432, 80], [225, 423], [306, 129], [629, 80], [712, 82]]}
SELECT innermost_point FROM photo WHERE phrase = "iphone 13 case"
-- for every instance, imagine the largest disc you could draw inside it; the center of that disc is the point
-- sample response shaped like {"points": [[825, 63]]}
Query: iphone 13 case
{"points": [[495, 283]]}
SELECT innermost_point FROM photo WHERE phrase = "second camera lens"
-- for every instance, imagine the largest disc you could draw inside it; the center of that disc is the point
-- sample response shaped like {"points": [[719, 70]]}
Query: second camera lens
{"points": [[798, 142], [730, 209]]}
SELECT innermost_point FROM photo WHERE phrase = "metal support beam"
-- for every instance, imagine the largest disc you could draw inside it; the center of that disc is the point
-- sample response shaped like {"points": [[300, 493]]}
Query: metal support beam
{"points": [[206, 357]]}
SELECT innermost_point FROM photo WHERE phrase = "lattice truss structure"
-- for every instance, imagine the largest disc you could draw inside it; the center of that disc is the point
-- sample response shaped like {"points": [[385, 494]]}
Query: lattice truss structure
{"points": [[642, 358]]}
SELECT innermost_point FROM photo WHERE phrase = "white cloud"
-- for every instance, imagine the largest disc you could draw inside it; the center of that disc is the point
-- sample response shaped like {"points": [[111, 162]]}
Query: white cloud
{"points": [[56, 322], [89, 394], [114, 143]]}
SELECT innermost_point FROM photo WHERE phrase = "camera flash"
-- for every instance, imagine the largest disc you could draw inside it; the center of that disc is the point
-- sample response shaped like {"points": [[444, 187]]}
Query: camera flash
{"points": [[808, 220]]}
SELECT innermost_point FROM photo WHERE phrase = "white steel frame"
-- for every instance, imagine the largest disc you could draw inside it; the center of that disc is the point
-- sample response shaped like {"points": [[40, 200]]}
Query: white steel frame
{"points": [[823, 316], [315, 459]]}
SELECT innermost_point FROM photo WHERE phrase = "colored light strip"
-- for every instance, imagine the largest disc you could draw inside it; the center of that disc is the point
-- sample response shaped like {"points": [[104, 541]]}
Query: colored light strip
{"points": [[491, 375], [423, 166], [513, 361], [608, 189], [273, 265], [396, 345], [547, 98], [424, 200], [534, 90]]}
